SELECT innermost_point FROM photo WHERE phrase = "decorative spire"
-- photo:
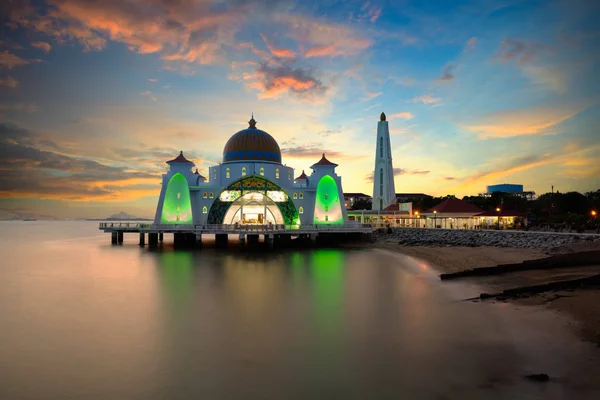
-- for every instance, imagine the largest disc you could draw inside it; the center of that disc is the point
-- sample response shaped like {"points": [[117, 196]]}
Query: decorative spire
{"points": [[252, 122], [382, 116]]}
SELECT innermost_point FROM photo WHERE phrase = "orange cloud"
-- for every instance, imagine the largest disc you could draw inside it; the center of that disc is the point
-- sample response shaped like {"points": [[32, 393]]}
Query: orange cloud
{"points": [[9, 81], [404, 115], [522, 122], [277, 51], [426, 99], [45, 47], [9, 60]]}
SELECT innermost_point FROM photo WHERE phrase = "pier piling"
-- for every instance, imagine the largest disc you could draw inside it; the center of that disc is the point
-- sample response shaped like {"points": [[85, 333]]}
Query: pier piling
{"points": [[142, 238], [114, 238], [120, 237], [152, 240]]}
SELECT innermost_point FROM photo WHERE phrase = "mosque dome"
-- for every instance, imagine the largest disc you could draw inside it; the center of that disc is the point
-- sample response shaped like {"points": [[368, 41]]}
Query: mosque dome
{"points": [[252, 144]]}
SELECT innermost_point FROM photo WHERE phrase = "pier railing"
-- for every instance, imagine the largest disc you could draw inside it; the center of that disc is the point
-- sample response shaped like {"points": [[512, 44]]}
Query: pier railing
{"points": [[233, 228]]}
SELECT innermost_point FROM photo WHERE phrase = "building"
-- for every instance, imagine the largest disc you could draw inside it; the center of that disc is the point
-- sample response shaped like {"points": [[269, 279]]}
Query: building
{"points": [[250, 187], [510, 188], [384, 192], [452, 213], [351, 198]]}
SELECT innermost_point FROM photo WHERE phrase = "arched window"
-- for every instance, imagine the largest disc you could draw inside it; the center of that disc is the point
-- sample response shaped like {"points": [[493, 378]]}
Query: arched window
{"points": [[276, 173], [326, 208], [227, 173], [301, 210], [381, 182], [204, 210], [243, 171], [295, 195], [204, 195], [211, 195], [301, 196], [381, 146], [262, 171], [381, 204], [327, 218]]}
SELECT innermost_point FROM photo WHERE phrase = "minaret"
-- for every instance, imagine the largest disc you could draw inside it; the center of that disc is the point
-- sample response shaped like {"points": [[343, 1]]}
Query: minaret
{"points": [[384, 192]]}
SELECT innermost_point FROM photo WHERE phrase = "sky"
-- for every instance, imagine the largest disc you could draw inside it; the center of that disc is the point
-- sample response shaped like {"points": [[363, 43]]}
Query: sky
{"points": [[95, 95]]}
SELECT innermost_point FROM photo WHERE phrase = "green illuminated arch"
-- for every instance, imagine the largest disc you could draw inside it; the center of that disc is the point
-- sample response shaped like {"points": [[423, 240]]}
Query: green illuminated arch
{"points": [[252, 184], [328, 208], [177, 208]]}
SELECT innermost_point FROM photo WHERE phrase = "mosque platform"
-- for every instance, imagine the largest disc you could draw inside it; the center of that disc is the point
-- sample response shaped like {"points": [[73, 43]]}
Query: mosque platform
{"points": [[191, 233]]}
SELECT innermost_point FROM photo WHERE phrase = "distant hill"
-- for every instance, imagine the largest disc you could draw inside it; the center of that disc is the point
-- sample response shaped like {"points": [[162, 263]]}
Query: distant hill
{"points": [[122, 216]]}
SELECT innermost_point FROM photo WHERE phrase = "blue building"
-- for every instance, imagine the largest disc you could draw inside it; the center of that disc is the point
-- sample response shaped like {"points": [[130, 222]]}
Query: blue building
{"points": [[505, 188]]}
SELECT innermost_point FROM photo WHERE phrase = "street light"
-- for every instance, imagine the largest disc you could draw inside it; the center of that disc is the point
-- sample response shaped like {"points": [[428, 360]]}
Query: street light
{"points": [[435, 218], [498, 211], [417, 216]]}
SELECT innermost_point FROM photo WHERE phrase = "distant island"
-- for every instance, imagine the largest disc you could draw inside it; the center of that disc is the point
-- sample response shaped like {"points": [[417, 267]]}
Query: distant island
{"points": [[122, 216]]}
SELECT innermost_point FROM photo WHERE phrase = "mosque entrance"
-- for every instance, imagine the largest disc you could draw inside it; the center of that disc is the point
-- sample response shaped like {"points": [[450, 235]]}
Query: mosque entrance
{"points": [[253, 208]]}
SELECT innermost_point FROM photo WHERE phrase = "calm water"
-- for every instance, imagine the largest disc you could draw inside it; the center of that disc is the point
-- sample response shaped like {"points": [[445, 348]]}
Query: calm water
{"points": [[81, 319]]}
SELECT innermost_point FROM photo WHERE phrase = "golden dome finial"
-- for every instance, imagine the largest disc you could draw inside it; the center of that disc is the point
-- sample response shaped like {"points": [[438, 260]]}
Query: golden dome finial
{"points": [[252, 122]]}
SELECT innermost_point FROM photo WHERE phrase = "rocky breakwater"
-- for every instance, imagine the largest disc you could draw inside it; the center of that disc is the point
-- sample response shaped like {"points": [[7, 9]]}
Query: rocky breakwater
{"points": [[476, 238]]}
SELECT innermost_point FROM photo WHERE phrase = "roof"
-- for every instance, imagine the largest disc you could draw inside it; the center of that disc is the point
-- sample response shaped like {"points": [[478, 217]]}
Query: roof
{"points": [[325, 162], [392, 207], [503, 213], [302, 176], [356, 195], [179, 159], [455, 206]]}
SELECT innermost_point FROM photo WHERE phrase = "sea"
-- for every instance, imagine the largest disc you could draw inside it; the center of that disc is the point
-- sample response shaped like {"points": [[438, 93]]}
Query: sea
{"points": [[81, 318]]}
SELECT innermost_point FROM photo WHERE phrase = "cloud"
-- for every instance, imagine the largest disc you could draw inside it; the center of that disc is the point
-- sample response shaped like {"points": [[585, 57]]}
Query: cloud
{"points": [[522, 122], [10, 61], [553, 78], [310, 150], [152, 80], [9, 81], [404, 115], [450, 178], [471, 44], [448, 74], [426, 99], [18, 106], [148, 94], [519, 50], [399, 172], [277, 51], [275, 81], [329, 132], [322, 38], [369, 12], [44, 46], [31, 169], [371, 95]]}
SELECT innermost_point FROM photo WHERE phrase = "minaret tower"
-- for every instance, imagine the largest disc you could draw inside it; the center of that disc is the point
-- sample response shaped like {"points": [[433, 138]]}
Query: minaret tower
{"points": [[384, 192]]}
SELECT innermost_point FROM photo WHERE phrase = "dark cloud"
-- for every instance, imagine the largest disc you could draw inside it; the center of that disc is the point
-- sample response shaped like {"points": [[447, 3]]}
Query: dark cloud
{"points": [[450, 178], [448, 74], [33, 167], [274, 81], [400, 171], [310, 151]]}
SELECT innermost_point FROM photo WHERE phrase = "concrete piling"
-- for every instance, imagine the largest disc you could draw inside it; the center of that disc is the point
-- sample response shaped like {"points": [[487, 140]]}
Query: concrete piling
{"points": [[120, 237], [160, 236], [142, 238], [114, 237], [221, 240], [152, 240]]}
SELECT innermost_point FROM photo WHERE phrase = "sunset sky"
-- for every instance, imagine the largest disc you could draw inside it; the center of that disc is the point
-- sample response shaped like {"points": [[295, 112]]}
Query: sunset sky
{"points": [[96, 95]]}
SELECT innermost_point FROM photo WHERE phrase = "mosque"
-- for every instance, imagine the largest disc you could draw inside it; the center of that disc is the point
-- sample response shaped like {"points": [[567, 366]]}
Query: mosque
{"points": [[250, 187]]}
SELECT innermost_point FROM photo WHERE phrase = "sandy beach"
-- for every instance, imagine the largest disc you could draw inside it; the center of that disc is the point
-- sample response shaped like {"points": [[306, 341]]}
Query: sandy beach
{"points": [[580, 305]]}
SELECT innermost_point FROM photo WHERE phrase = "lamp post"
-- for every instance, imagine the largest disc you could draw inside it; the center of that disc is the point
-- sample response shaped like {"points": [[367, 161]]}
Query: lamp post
{"points": [[594, 214], [435, 218], [498, 211]]}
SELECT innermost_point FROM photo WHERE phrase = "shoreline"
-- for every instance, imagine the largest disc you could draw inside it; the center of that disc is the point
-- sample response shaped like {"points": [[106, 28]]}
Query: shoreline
{"points": [[579, 305]]}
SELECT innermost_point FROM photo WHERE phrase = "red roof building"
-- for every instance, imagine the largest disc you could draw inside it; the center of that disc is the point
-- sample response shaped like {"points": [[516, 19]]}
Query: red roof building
{"points": [[302, 176], [324, 162], [179, 159], [453, 208]]}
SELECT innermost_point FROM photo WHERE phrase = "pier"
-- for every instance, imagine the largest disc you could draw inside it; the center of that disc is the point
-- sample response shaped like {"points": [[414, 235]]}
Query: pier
{"points": [[191, 235]]}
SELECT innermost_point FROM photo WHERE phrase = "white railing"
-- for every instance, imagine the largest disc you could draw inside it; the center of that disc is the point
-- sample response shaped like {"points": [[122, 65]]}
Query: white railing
{"points": [[134, 225], [241, 228]]}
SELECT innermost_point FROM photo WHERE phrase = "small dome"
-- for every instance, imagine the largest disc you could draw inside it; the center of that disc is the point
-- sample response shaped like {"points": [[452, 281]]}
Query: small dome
{"points": [[252, 144]]}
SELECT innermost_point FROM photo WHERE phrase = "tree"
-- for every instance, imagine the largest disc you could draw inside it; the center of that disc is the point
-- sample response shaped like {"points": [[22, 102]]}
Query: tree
{"points": [[362, 204]]}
